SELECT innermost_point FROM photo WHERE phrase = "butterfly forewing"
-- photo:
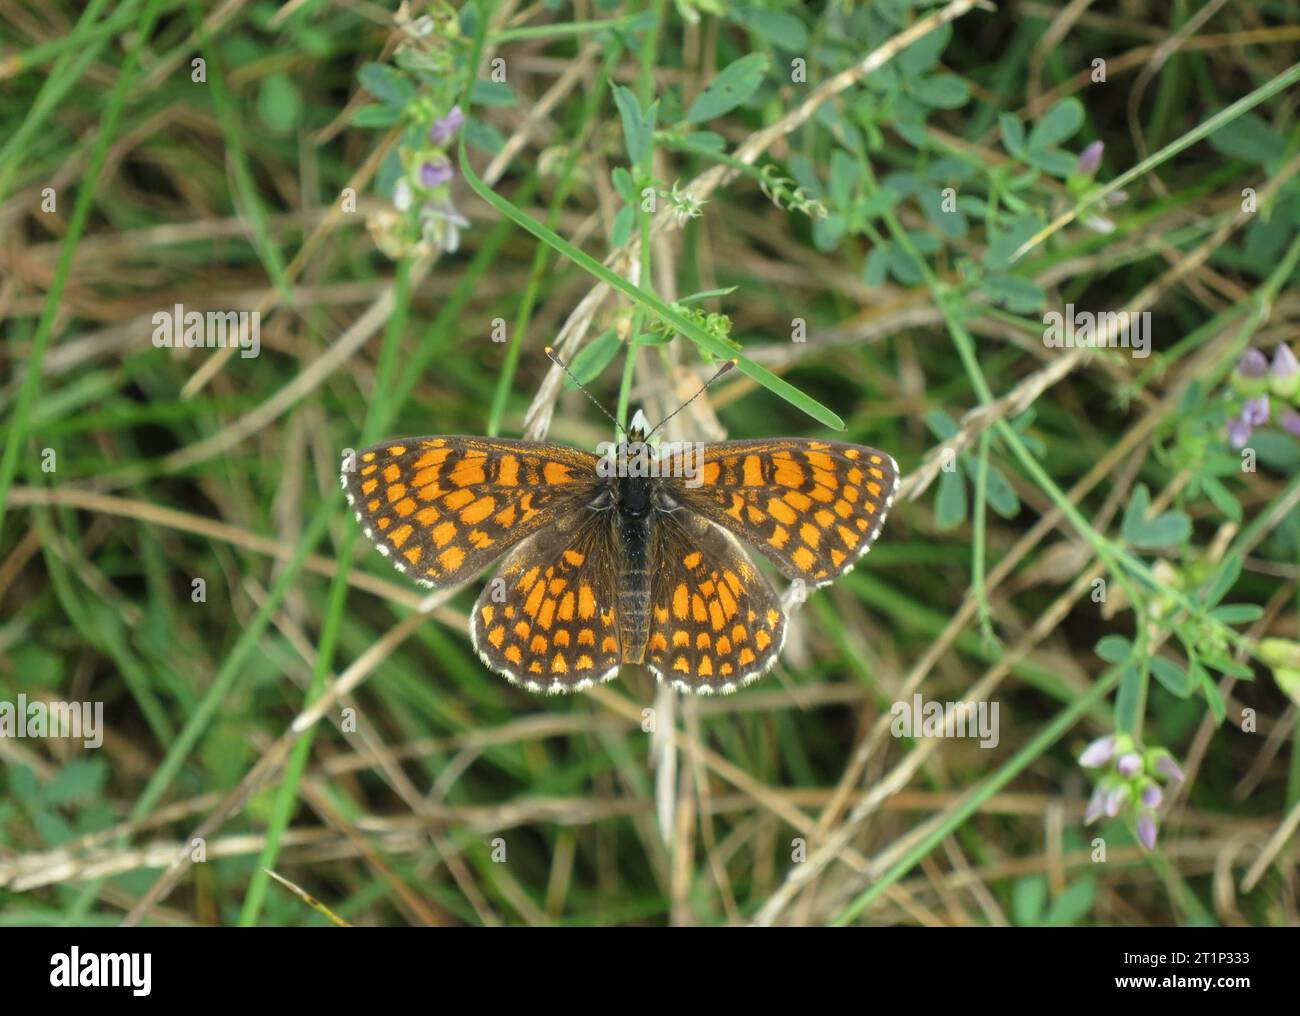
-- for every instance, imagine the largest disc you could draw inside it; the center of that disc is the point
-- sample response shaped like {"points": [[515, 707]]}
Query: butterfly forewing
{"points": [[811, 507], [444, 508], [547, 620], [715, 623]]}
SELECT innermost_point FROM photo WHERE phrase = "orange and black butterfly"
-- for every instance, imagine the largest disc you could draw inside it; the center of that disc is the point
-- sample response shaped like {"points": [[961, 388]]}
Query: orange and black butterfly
{"points": [[604, 568]]}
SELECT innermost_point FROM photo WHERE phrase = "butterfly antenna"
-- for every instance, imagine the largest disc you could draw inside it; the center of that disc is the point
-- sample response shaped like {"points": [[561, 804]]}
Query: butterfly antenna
{"points": [[550, 352], [721, 370]]}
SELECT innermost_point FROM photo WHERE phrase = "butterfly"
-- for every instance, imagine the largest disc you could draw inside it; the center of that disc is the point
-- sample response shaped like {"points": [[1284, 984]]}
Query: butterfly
{"points": [[631, 556]]}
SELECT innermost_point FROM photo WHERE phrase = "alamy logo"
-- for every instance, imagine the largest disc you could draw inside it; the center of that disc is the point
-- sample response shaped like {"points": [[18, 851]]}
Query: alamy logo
{"points": [[946, 719], [53, 719], [179, 328], [1111, 329], [75, 969]]}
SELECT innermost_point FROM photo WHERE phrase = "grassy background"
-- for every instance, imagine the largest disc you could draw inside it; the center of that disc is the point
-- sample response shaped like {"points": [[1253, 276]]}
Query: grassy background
{"points": [[430, 791]]}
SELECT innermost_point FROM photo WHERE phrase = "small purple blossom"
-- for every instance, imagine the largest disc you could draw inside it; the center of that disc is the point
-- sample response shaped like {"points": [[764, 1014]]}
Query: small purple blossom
{"points": [[1152, 795], [1238, 433], [1096, 807], [1129, 765], [1291, 422], [1147, 830], [1098, 753], [1255, 411], [444, 129], [1253, 364], [435, 174], [1090, 158], [1167, 767], [1284, 361], [1115, 799]]}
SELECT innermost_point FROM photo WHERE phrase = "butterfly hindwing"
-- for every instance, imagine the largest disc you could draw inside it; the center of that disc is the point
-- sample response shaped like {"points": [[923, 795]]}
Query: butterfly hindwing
{"points": [[444, 508], [547, 620], [715, 623], [811, 507]]}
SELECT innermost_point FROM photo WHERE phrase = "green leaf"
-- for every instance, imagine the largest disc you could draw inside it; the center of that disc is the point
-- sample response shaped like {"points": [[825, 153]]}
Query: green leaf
{"points": [[1017, 294], [638, 124], [1114, 648], [1248, 138], [483, 136], [1127, 698], [1072, 905], [492, 93], [923, 54], [950, 501], [1224, 579], [1058, 124], [76, 782], [1004, 240], [1237, 613], [876, 267], [594, 357], [623, 185], [1164, 530], [1210, 689], [779, 28], [1172, 676], [279, 104], [386, 84], [708, 294], [1028, 895], [1053, 162], [1013, 133], [1222, 497], [943, 91], [376, 116], [734, 84], [707, 139], [941, 425], [844, 178], [624, 223]]}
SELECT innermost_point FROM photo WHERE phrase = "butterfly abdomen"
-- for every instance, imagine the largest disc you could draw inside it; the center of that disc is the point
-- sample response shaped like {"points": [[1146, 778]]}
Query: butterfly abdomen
{"points": [[634, 576]]}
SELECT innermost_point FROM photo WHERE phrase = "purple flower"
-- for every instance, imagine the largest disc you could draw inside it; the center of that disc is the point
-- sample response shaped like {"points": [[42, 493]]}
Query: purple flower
{"points": [[445, 129], [1115, 799], [1090, 159], [1147, 830], [435, 174], [1285, 382], [1152, 795], [1098, 753], [1255, 411], [1167, 767], [1291, 422], [1238, 433], [1129, 765], [1096, 807], [1252, 364]]}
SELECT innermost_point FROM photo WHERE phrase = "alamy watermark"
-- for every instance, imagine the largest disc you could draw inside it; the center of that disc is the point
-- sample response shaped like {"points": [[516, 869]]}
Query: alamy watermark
{"points": [[37, 718], [1111, 329], [918, 718], [179, 328]]}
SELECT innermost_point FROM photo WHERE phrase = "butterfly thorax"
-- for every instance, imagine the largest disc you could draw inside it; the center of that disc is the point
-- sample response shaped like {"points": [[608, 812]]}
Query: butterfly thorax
{"points": [[634, 497]]}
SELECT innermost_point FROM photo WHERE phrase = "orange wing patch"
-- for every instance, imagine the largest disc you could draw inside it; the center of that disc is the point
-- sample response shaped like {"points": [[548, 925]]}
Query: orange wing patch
{"points": [[812, 507], [716, 624], [547, 619], [444, 508]]}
